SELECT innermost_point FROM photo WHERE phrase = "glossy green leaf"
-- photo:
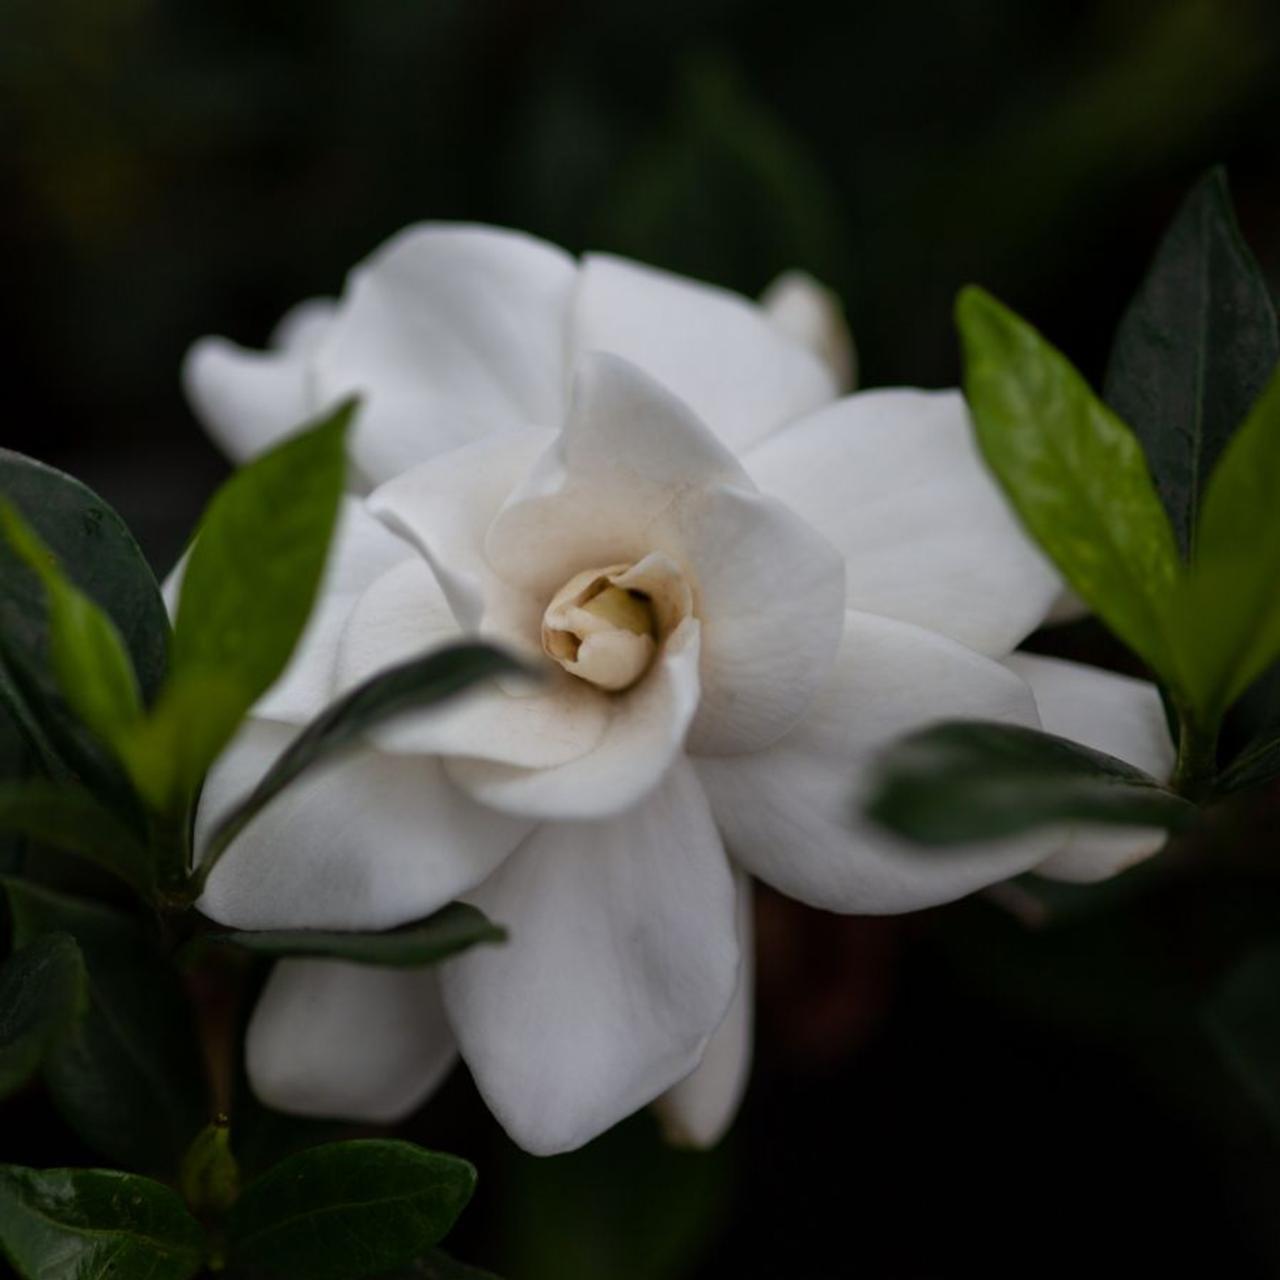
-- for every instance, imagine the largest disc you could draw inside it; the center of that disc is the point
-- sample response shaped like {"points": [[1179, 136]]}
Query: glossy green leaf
{"points": [[1243, 1020], [95, 1224], [130, 1077], [348, 1209], [1257, 765], [1074, 473], [247, 591], [1196, 346], [210, 1175], [69, 818], [43, 993], [452, 929], [92, 667], [1228, 617], [969, 780], [411, 686]]}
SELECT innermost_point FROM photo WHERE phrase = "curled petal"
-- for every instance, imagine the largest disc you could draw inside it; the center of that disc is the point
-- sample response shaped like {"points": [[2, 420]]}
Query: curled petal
{"points": [[348, 1041], [622, 961], [810, 313]]}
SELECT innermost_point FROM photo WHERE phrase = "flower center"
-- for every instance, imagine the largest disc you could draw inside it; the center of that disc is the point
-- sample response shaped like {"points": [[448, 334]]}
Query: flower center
{"points": [[601, 629]]}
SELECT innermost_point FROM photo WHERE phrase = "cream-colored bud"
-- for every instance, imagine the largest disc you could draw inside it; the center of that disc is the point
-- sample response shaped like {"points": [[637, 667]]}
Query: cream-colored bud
{"points": [[602, 633]]}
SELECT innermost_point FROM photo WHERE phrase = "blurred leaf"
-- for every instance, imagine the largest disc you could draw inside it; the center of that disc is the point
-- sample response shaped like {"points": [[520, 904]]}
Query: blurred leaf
{"points": [[1243, 1018], [89, 660], [130, 1077], [968, 780], [69, 818], [43, 992], [210, 1177], [413, 685], [1255, 766], [1228, 616], [1074, 473], [1196, 346], [91, 1224], [247, 591], [626, 1206], [452, 929], [348, 1209]]}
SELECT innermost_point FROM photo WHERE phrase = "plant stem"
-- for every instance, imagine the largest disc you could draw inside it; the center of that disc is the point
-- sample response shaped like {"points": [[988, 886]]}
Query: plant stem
{"points": [[1197, 762]]}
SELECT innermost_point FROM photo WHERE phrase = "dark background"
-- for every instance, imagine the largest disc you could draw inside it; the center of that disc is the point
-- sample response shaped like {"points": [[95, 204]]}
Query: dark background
{"points": [[944, 1097]]}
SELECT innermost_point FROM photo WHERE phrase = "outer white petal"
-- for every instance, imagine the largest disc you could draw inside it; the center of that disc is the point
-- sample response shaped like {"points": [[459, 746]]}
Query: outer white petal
{"points": [[405, 613], [247, 399], [348, 1041], [621, 963], [633, 472], [643, 738], [452, 333], [698, 1111], [895, 481], [717, 351], [1111, 713], [445, 507], [368, 841], [791, 814], [810, 313]]}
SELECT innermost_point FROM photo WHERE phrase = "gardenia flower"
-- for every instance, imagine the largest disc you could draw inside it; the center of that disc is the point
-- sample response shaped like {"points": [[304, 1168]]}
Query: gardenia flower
{"points": [[739, 587]]}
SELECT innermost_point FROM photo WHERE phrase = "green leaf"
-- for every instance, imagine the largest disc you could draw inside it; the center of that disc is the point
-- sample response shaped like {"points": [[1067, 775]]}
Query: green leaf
{"points": [[415, 685], [247, 591], [210, 1175], [452, 929], [1228, 613], [1074, 473], [130, 1077], [348, 1209], [969, 780], [69, 818], [1243, 1020], [95, 1224], [438, 1265], [43, 993], [1195, 348], [1255, 766]]}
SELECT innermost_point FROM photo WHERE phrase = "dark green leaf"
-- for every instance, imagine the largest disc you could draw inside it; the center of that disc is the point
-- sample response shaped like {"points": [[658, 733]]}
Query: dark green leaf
{"points": [[1243, 1019], [95, 1224], [1074, 473], [69, 818], [43, 992], [1196, 346], [130, 1077], [438, 1265], [967, 780], [1228, 618], [450, 930], [411, 686], [96, 552], [247, 591], [88, 656], [1255, 766], [349, 1209]]}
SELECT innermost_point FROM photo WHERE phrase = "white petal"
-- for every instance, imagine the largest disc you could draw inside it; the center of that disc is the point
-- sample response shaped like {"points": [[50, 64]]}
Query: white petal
{"points": [[403, 614], [445, 507], [811, 314], [698, 1111], [452, 333], [714, 349], [628, 451], [368, 841], [895, 481], [348, 1041], [790, 814], [769, 592], [621, 963], [643, 738], [1112, 713]]}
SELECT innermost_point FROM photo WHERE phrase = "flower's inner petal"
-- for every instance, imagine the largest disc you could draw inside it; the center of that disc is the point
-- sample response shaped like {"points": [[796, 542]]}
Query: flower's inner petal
{"points": [[404, 614], [720, 353], [452, 333], [622, 961]]}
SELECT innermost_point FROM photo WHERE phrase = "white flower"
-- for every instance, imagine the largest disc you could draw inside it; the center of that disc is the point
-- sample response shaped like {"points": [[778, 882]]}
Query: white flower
{"points": [[740, 587]]}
